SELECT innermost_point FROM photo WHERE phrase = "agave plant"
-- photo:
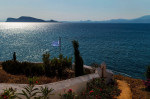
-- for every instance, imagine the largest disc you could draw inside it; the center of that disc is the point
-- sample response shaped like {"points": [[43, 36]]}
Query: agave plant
{"points": [[46, 92], [30, 91]]}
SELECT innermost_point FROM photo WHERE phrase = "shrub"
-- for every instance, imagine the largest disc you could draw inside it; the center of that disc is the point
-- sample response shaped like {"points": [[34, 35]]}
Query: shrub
{"points": [[8, 94], [63, 64], [45, 58], [26, 68], [97, 89], [35, 70], [55, 67], [147, 74], [68, 95], [59, 65], [78, 60], [46, 62], [13, 67], [32, 69], [147, 82]]}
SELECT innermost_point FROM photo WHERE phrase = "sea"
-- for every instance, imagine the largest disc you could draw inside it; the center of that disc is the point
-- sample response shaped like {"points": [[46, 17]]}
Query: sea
{"points": [[125, 48]]}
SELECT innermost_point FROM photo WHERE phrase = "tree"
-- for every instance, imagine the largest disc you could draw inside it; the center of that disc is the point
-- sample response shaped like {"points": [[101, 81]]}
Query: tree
{"points": [[78, 59], [14, 56], [45, 58], [46, 61]]}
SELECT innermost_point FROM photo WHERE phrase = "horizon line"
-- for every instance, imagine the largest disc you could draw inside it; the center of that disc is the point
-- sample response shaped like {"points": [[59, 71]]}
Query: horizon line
{"points": [[4, 20]]}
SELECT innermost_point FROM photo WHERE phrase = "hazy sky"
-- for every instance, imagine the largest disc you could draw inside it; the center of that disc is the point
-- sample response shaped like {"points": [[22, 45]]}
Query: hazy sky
{"points": [[74, 9]]}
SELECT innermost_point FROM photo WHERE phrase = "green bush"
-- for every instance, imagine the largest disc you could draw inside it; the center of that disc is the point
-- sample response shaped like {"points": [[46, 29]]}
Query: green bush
{"points": [[13, 67], [63, 64], [26, 68], [51, 68], [147, 74], [147, 81], [46, 62], [58, 66], [32, 69], [98, 89], [8, 94], [68, 95], [45, 58]]}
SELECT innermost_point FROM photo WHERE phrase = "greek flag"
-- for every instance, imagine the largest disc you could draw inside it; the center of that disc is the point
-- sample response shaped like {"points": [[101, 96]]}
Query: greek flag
{"points": [[55, 43]]}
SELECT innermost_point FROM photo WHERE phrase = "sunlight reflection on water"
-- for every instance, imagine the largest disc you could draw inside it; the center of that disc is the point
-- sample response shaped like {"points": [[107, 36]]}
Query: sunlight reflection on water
{"points": [[124, 47]]}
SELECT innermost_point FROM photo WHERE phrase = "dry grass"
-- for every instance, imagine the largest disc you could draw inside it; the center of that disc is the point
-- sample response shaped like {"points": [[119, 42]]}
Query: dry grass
{"points": [[137, 87], [8, 78], [22, 79]]}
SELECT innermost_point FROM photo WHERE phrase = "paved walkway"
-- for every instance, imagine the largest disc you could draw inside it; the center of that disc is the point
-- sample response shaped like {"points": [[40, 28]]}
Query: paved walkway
{"points": [[126, 91]]}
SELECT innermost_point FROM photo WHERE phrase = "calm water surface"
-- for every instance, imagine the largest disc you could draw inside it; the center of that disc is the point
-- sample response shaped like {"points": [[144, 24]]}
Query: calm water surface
{"points": [[124, 47]]}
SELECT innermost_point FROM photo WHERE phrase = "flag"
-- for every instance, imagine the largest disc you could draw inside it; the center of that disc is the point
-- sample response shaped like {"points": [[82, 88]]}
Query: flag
{"points": [[55, 43]]}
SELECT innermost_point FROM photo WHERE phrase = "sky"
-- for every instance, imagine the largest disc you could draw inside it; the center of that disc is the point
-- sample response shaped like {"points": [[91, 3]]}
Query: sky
{"points": [[74, 10]]}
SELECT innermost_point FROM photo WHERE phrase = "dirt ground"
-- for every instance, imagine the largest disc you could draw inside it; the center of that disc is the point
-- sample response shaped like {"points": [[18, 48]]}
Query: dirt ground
{"points": [[137, 87], [125, 90]]}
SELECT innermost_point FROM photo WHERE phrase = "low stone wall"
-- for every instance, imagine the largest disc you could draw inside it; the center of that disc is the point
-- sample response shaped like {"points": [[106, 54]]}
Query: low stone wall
{"points": [[76, 84]]}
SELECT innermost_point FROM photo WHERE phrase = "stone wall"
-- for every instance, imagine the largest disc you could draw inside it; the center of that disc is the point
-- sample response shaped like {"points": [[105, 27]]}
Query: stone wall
{"points": [[76, 84]]}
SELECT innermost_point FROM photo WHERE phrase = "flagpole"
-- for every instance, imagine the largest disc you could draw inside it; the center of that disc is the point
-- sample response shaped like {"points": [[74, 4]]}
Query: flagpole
{"points": [[59, 45]]}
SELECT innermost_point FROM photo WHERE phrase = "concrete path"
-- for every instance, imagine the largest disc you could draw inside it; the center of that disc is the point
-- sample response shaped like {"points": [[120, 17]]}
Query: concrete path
{"points": [[126, 91]]}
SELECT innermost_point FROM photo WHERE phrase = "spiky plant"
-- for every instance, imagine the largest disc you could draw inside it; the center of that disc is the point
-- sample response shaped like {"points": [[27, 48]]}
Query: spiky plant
{"points": [[46, 92], [30, 91]]}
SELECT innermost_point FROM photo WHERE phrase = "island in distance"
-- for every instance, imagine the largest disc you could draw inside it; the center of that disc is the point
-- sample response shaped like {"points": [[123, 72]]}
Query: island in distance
{"points": [[27, 19], [143, 19]]}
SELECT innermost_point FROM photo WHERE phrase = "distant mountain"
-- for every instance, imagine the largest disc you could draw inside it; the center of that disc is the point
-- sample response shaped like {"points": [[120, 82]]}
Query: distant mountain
{"points": [[27, 19], [143, 19]]}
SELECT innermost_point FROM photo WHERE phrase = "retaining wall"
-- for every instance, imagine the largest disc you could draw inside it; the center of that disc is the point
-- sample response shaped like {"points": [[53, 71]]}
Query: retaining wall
{"points": [[76, 84]]}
